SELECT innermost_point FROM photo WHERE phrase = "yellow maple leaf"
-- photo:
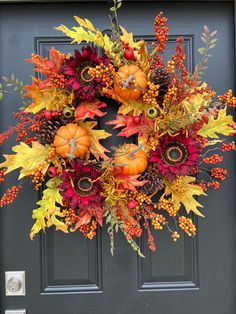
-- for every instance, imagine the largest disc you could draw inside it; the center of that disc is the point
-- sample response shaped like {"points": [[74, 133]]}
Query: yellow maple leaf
{"points": [[27, 158], [95, 147], [182, 191], [47, 212], [137, 107], [219, 125], [128, 38], [194, 103], [87, 32], [85, 23]]}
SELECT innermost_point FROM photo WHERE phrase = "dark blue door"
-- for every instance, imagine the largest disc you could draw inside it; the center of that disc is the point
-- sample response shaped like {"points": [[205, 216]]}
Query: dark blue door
{"points": [[70, 275]]}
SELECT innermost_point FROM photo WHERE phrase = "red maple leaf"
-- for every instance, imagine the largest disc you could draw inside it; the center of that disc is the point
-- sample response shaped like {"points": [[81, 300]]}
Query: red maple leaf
{"points": [[89, 109], [129, 127], [129, 182]]}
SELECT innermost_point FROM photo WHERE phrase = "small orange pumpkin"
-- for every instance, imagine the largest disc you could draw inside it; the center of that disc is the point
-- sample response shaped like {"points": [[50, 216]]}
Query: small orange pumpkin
{"points": [[123, 82], [131, 158], [71, 141]]}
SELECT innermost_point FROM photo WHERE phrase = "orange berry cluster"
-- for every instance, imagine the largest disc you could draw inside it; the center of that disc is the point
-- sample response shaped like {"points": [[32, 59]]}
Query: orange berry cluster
{"points": [[103, 72], [203, 185], [228, 98], [132, 228], [179, 185], [2, 174], [202, 140], [179, 56], [35, 126], [158, 221], [175, 236], [89, 231], [170, 67], [51, 154], [38, 177], [214, 159], [226, 147], [214, 184], [219, 173], [167, 205], [196, 170], [161, 32], [21, 135], [29, 140], [150, 94], [70, 217], [187, 225], [10, 195], [170, 94], [140, 199]]}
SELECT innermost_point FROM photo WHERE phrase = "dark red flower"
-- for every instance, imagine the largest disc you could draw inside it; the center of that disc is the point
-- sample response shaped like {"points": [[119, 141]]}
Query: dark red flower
{"points": [[76, 71], [80, 186], [176, 155]]}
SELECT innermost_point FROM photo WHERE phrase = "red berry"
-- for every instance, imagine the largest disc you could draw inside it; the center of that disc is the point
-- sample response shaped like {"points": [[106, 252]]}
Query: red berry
{"points": [[52, 171], [131, 204], [136, 120], [129, 54], [48, 114]]}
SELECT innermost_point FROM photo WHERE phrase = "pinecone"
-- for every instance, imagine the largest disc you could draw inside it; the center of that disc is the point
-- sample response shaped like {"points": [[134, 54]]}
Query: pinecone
{"points": [[154, 184], [48, 129], [162, 78]]}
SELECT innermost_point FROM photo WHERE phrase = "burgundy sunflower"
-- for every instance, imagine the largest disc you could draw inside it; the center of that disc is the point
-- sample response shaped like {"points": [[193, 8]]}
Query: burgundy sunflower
{"points": [[80, 186], [176, 155], [76, 71]]}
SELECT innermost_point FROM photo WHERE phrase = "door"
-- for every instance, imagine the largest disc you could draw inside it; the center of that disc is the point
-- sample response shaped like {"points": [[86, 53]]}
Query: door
{"points": [[66, 274]]}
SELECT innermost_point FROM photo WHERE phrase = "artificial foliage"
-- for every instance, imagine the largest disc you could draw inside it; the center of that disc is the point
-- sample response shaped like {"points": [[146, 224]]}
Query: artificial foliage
{"points": [[180, 129]]}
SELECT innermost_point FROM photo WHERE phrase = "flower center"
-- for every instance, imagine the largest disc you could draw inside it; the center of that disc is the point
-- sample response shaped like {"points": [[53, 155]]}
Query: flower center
{"points": [[174, 153], [83, 185], [82, 72]]}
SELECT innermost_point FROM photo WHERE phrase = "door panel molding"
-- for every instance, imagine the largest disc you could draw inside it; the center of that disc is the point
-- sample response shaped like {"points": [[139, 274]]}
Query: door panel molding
{"points": [[63, 271]]}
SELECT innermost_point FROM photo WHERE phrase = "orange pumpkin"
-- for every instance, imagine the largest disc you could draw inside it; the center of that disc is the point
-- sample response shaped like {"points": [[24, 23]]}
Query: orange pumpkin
{"points": [[131, 158], [124, 85], [71, 141]]}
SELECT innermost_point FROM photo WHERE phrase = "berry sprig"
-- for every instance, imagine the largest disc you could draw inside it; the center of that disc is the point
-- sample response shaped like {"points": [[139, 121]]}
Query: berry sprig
{"points": [[226, 147], [161, 34], [213, 159], [228, 98], [187, 225], [219, 173], [10, 195]]}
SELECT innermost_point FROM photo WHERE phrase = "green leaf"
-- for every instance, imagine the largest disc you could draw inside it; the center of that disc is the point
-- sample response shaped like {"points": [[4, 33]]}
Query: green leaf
{"points": [[214, 40], [204, 40], [212, 46], [1, 96], [213, 33], [119, 5], [113, 9], [202, 50]]}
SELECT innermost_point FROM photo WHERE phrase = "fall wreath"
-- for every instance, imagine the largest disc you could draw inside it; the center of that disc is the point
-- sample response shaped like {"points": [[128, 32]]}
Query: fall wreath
{"points": [[179, 123]]}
